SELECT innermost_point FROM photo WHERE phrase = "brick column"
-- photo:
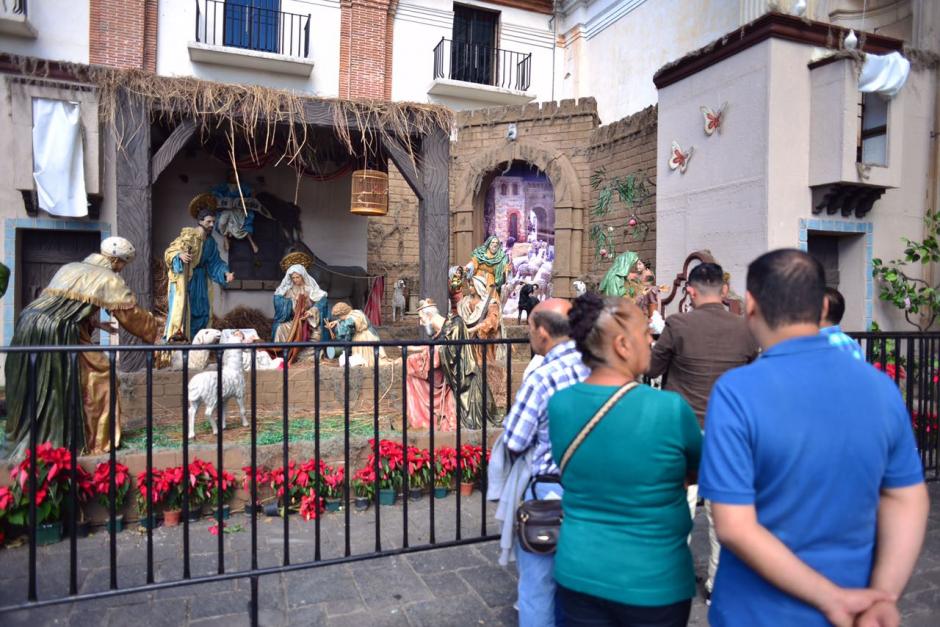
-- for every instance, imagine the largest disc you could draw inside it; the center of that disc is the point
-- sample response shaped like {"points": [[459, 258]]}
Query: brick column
{"points": [[365, 49], [123, 33]]}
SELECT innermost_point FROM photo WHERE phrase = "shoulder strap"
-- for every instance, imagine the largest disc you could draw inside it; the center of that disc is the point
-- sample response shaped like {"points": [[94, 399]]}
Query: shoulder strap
{"points": [[593, 422]]}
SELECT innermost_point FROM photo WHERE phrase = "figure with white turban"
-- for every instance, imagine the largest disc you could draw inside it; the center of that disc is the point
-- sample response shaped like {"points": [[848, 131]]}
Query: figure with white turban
{"points": [[66, 313], [352, 325], [300, 309]]}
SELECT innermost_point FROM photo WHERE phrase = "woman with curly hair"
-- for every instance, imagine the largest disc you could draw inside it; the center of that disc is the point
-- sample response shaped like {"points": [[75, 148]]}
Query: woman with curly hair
{"points": [[622, 556]]}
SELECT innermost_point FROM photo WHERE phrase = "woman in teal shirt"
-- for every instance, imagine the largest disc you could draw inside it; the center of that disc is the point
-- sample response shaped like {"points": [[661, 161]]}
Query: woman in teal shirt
{"points": [[622, 554]]}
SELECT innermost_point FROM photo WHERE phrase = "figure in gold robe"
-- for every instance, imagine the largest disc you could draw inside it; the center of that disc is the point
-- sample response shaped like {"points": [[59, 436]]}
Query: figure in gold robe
{"points": [[192, 260], [491, 262], [66, 314]]}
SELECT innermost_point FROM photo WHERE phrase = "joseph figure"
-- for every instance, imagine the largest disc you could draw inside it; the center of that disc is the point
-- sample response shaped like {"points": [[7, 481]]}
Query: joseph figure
{"points": [[192, 261], [66, 314]]}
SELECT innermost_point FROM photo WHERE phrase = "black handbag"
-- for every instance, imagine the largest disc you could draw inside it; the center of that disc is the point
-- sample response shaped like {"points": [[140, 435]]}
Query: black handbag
{"points": [[538, 521]]}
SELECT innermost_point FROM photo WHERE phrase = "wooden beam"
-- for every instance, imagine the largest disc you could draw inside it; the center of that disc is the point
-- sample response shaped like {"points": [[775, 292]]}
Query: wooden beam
{"points": [[131, 145], [406, 163], [433, 216], [171, 147]]}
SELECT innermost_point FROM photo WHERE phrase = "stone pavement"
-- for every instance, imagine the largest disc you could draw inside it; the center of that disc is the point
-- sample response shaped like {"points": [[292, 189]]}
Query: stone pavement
{"points": [[449, 586]]}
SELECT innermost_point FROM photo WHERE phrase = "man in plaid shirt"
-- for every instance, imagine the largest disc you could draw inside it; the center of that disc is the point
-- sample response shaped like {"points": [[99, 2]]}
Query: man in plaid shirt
{"points": [[526, 427]]}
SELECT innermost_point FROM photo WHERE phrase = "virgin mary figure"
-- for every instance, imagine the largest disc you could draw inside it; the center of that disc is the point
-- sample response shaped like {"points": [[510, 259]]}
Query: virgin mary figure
{"points": [[300, 309]]}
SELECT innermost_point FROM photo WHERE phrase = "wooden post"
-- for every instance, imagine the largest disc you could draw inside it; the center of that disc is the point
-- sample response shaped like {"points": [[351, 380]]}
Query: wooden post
{"points": [[433, 216], [131, 143]]}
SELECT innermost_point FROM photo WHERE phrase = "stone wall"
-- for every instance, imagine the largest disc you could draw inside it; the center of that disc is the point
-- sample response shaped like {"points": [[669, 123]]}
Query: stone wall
{"points": [[564, 140]]}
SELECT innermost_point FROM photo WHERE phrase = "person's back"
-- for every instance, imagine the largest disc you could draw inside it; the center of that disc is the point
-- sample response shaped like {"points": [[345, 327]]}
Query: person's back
{"points": [[809, 457], [626, 518], [709, 341]]}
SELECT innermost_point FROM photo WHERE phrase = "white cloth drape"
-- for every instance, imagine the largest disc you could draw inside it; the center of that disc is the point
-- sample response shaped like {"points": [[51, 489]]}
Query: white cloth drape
{"points": [[58, 160], [884, 74]]}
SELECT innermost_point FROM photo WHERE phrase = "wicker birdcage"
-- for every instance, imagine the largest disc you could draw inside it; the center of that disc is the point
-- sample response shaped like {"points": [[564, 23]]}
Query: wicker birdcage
{"points": [[369, 195]]}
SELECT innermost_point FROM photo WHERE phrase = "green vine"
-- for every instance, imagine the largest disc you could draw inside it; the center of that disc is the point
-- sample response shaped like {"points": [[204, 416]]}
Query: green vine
{"points": [[631, 190]]}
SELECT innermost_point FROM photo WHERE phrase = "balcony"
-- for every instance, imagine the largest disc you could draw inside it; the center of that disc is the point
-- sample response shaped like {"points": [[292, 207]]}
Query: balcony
{"points": [[244, 34], [472, 71], [14, 19]]}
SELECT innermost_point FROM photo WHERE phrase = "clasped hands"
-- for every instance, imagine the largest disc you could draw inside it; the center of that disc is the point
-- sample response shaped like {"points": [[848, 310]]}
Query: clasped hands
{"points": [[863, 607]]}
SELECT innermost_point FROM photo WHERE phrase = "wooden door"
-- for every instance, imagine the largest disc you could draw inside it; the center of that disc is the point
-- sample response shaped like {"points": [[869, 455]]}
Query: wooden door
{"points": [[42, 253]]}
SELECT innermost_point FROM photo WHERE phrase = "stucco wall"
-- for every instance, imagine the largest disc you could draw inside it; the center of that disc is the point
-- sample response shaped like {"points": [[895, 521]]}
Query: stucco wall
{"points": [[61, 32], [177, 28], [420, 25], [613, 47]]}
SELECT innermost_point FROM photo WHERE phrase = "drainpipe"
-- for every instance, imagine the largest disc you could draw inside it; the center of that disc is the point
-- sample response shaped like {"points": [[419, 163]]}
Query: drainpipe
{"points": [[554, 22]]}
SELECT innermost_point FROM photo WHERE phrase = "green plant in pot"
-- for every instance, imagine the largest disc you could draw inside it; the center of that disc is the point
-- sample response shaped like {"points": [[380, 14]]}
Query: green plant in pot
{"points": [[390, 461], [52, 485], [227, 486], [263, 487], [470, 460], [170, 482], [445, 470], [200, 486], [331, 486], [419, 471]]}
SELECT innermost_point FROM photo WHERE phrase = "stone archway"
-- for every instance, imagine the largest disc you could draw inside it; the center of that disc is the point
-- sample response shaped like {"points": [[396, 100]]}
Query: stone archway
{"points": [[470, 192]]}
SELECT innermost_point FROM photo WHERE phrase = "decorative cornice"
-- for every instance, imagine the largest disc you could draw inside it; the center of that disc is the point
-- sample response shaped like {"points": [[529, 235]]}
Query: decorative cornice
{"points": [[768, 26], [538, 6]]}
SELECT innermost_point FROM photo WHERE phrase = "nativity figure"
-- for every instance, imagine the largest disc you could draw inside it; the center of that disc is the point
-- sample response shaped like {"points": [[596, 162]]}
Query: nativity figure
{"points": [[352, 325], [66, 314], [192, 261], [491, 262], [425, 369], [300, 310]]}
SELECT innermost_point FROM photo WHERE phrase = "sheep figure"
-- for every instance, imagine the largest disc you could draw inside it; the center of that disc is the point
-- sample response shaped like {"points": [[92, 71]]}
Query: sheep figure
{"points": [[197, 358], [203, 388], [398, 301]]}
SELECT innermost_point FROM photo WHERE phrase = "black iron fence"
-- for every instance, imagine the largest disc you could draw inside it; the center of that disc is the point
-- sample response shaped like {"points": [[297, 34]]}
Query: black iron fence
{"points": [[248, 25], [912, 360], [294, 486], [475, 63], [16, 7]]}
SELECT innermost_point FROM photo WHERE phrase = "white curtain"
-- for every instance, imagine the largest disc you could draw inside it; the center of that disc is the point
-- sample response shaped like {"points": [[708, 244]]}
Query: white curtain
{"points": [[884, 74], [58, 160]]}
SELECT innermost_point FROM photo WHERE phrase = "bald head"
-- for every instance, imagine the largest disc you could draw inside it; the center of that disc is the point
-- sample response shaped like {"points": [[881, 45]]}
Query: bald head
{"points": [[548, 324]]}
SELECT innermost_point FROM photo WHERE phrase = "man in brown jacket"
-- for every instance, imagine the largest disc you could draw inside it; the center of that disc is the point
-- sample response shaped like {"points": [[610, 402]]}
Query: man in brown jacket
{"points": [[694, 350]]}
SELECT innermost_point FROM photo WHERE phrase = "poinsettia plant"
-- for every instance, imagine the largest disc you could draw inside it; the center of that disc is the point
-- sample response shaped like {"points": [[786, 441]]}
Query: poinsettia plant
{"points": [[170, 482], [419, 467], [391, 462], [8, 502], [471, 457], [155, 488], [331, 481], [201, 479], [226, 482], [445, 466], [364, 482], [310, 506], [262, 479], [53, 482], [102, 483]]}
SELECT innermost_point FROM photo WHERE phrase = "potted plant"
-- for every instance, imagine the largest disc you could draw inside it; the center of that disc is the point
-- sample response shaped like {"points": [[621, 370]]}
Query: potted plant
{"points": [[419, 472], [8, 503], [52, 484], [122, 484], [200, 484], [290, 492], [331, 486], [310, 505], [228, 486], [170, 481], [445, 470], [391, 461], [263, 482], [470, 458], [152, 489], [364, 485]]}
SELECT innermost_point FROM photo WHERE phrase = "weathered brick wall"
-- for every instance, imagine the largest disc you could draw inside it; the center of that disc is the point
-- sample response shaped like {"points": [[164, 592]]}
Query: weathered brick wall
{"points": [[123, 34], [365, 54], [625, 147]]}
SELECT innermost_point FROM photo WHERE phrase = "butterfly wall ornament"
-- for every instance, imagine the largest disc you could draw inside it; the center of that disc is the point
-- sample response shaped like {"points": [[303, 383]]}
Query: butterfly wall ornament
{"points": [[713, 119], [679, 159]]}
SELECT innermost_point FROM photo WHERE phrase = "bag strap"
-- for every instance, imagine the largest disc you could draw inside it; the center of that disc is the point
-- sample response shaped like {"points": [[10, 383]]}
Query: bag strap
{"points": [[593, 422]]}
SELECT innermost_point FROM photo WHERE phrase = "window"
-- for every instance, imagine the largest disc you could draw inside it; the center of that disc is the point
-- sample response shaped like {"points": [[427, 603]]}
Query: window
{"points": [[473, 49], [873, 130], [252, 24], [515, 189], [502, 189]]}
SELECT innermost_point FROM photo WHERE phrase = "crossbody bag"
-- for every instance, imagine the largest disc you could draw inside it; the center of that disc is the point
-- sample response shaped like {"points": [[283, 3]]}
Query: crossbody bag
{"points": [[538, 521]]}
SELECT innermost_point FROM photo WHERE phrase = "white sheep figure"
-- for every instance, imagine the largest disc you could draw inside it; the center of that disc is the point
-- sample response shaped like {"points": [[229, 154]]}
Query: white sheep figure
{"points": [[203, 388], [398, 301], [197, 358]]}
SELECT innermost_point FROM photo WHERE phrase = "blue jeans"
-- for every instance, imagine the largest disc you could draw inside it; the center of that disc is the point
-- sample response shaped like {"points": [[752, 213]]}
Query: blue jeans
{"points": [[537, 607]]}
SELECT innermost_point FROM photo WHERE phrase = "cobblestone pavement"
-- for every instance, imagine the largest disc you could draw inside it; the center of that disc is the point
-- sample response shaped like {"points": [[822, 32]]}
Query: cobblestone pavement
{"points": [[448, 586]]}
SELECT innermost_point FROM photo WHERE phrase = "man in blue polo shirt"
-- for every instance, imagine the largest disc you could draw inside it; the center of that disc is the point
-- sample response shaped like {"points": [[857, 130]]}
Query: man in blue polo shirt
{"points": [[809, 456]]}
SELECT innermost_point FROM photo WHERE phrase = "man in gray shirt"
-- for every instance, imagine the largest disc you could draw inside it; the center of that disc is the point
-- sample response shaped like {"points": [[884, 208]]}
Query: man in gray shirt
{"points": [[696, 348]]}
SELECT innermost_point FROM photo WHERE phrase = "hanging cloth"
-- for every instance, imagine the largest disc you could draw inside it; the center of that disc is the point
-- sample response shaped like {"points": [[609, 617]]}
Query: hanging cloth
{"points": [[373, 308], [58, 161], [884, 74]]}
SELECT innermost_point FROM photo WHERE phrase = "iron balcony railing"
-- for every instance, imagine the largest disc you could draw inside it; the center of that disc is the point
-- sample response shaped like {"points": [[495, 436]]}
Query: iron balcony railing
{"points": [[247, 26], [484, 65]]}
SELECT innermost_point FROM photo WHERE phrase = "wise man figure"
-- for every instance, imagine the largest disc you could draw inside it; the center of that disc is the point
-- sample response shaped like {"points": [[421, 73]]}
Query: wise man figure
{"points": [[425, 369], [66, 314], [192, 261], [482, 313], [491, 262], [459, 365], [352, 325]]}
